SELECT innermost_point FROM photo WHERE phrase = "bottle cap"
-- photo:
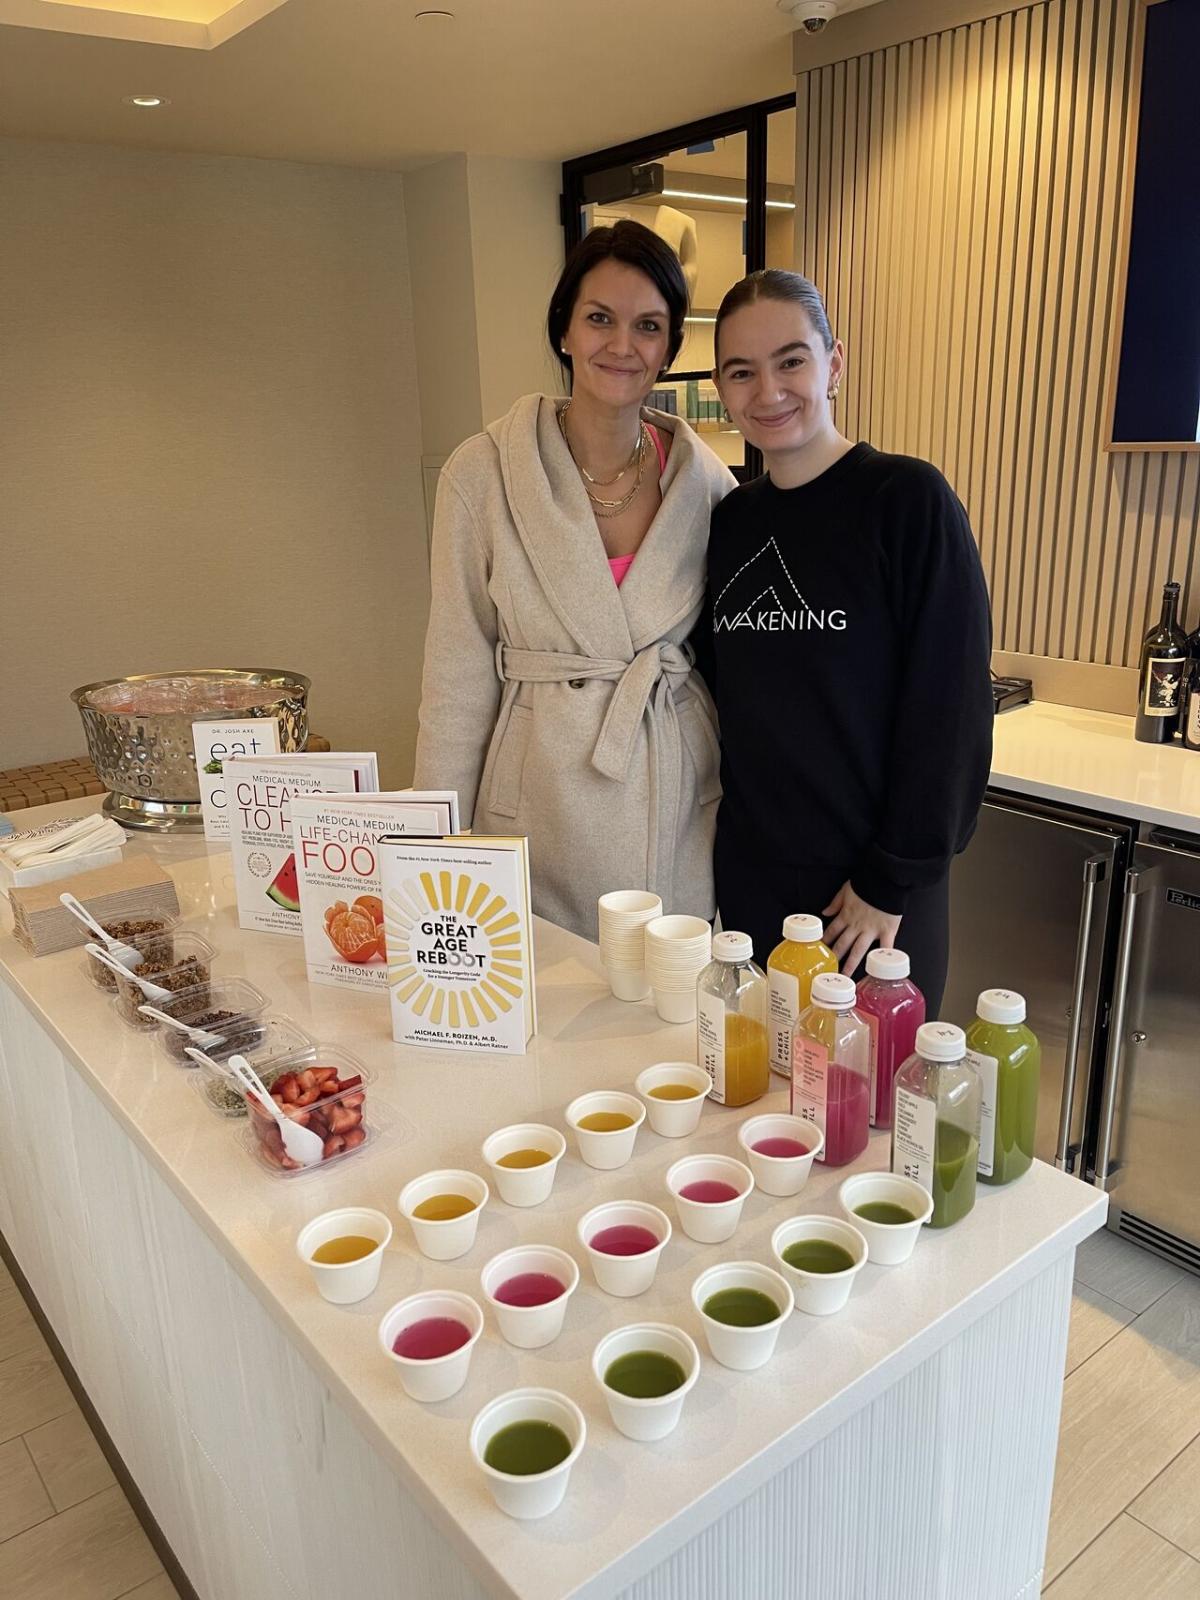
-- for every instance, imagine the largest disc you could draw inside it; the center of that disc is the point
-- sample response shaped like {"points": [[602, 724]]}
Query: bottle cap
{"points": [[1001, 1005], [833, 990], [732, 947], [941, 1041], [802, 928], [887, 964]]}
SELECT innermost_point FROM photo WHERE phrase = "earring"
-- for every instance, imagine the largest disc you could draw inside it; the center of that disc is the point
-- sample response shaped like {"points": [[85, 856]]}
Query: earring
{"points": [[832, 393]]}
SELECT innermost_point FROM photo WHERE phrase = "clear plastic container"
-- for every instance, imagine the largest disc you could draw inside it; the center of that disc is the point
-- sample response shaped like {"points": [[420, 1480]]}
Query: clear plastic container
{"points": [[339, 1118], [189, 968], [731, 1022], [895, 1008], [791, 968], [935, 1134], [155, 940], [831, 1068], [230, 1007], [222, 1094], [1008, 1058]]}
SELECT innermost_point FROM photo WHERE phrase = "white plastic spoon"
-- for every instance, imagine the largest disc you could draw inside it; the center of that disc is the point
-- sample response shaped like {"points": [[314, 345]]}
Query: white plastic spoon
{"points": [[199, 1036], [125, 953], [152, 991], [302, 1144]]}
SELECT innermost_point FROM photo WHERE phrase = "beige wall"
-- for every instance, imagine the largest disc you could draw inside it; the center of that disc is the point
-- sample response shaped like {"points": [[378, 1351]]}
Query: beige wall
{"points": [[959, 199], [209, 436]]}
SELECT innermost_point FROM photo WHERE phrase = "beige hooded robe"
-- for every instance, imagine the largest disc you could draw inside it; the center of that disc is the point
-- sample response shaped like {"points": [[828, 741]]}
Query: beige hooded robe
{"points": [[558, 705]]}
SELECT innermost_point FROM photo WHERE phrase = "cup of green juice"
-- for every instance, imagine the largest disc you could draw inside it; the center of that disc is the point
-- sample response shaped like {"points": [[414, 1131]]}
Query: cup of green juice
{"points": [[742, 1306], [525, 1443], [645, 1373], [889, 1210], [820, 1257]]}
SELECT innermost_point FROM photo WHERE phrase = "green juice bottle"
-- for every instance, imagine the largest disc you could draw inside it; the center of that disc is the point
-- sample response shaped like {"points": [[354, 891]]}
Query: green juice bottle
{"points": [[1008, 1058], [935, 1121]]}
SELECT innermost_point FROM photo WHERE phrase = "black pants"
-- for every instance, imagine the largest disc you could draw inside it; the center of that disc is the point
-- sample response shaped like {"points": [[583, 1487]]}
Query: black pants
{"points": [[754, 895]]}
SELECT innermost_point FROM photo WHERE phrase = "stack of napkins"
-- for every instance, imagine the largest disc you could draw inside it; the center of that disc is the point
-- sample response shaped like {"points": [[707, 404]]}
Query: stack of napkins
{"points": [[59, 849], [133, 890]]}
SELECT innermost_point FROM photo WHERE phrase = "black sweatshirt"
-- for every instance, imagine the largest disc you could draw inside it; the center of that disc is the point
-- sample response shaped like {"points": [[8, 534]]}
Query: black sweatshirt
{"points": [[847, 641]]}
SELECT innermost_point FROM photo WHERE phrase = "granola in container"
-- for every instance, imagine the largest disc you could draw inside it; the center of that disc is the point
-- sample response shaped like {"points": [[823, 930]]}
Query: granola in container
{"points": [[228, 1007], [190, 968], [150, 935]]}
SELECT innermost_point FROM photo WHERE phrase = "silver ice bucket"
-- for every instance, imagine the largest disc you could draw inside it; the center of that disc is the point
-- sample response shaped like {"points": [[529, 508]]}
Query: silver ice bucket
{"points": [[139, 733]]}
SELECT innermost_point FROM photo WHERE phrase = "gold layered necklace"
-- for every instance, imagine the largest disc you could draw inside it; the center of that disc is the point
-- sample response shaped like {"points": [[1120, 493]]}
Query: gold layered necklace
{"points": [[602, 507]]}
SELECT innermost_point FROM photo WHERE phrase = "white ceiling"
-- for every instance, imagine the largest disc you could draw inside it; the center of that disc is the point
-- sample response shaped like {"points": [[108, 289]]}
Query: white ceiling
{"points": [[363, 83]]}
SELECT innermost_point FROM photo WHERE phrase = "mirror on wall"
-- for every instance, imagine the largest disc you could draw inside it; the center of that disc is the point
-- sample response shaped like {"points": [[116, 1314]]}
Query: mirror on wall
{"points": [[1156, 400]]}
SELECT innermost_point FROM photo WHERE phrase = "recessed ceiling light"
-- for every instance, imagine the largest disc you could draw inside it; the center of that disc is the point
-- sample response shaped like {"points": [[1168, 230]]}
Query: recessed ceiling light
{"points": [[434, 16], [145, 101]]}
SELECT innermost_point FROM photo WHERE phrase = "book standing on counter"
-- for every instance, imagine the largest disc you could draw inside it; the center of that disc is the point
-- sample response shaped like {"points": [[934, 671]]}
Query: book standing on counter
{"points": [[260, 791], [335, 838], [459, 928], [218, 742]]}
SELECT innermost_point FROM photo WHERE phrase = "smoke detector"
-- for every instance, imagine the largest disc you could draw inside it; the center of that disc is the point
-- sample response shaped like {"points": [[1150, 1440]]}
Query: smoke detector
{"points": [[813, 16]]}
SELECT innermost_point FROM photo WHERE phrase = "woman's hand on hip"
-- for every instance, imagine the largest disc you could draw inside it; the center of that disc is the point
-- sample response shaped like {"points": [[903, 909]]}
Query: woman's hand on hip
{"points": [[856, 926]]}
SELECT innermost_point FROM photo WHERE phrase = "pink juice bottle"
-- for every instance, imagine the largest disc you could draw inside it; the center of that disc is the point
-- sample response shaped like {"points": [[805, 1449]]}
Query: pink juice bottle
{"points": [[895, 1009], [831, 1068]]}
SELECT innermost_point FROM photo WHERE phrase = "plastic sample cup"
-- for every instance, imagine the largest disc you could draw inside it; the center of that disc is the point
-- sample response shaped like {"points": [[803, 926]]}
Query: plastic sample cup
{"points": [[621, 917], [444, 1240], [533, 1494], [820, 1293], [437, 1377], [624, 1275], [780, 1174], [674, 1119], [743, 1349], [888, 1243], [677, 951], [653, 1417], [529, 1327], [524, 1186], [614, 1148], [709, 1222], [343, 1283]]}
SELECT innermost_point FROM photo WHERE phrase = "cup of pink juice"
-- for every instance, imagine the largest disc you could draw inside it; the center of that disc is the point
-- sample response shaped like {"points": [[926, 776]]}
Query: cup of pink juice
{"points": [[709, 1193], [623, 1240], [430, 1337], [781, 1150], [528, 1288]]}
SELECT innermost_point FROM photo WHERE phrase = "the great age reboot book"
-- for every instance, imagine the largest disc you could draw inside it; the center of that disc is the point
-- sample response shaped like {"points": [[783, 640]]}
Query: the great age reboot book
{"points": [[260, 791], [459, 932], [335, 838]]}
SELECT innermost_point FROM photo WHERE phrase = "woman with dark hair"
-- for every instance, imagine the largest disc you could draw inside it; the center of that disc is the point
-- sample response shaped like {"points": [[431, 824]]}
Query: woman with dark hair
{"points": [[568, 572], [847, 641]]}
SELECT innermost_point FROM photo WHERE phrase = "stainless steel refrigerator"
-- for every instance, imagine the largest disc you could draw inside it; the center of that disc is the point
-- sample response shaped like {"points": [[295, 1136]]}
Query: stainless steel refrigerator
{"points": [[1096, 921]]}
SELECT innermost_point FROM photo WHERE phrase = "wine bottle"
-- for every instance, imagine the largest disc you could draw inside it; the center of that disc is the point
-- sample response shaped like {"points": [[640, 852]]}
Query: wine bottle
{"points": [[1160, 682], [1189, 715]]}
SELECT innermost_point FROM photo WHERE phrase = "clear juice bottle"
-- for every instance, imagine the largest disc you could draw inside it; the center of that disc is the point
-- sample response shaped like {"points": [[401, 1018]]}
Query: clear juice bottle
{"points": [[895, 1008], [831, 1068], [935, 1129], [731, 1021], [1008, 1058], [791, 968]]}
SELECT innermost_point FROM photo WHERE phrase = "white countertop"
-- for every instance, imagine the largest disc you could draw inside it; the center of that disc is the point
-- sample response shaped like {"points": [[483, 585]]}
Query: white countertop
{"points": [[629, 1505], [1091, 759]]}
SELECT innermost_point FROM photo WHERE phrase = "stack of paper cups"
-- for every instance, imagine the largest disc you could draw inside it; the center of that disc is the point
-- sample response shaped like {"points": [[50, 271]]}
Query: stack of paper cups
{"points": [[677, 951], [623, 916]]}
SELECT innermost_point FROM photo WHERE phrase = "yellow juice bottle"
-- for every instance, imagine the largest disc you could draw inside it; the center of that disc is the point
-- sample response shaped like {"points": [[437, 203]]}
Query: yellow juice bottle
{"points": [[791, 968], [731, 1022]]}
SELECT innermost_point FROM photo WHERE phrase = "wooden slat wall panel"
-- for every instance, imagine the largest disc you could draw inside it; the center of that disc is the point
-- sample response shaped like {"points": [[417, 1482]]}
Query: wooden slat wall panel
{"points": [[959, 200]]}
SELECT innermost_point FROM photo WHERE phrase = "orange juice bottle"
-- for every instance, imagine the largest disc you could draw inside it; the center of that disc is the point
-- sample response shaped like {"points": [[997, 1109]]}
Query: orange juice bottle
{"points": [[791, 968], [731, 1022]]}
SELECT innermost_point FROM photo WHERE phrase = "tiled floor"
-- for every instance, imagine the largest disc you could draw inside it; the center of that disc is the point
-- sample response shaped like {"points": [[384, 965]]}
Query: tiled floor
{"points": [[1125, 1523]]}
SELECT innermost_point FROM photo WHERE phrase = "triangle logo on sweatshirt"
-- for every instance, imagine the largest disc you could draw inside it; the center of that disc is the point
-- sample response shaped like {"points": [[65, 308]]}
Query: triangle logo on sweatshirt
{"points": [[763, 596]]}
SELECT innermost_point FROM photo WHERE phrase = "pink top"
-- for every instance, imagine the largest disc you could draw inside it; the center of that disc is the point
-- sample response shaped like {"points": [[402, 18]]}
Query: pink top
{"points": [[619, 565]]}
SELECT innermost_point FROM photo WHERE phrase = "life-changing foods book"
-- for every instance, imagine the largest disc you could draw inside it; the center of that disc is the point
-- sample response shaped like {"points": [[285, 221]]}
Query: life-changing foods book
{"points": [[335, 838], [260, 791], [459, 932], [217, 742]]}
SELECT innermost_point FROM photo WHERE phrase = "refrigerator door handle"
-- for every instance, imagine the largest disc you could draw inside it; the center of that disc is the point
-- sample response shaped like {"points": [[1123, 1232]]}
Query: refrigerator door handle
{"points": [[1094, 870], [1105, 1174]]}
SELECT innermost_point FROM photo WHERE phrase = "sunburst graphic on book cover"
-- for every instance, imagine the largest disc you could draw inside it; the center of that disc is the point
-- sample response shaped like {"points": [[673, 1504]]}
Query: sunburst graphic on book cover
{"points": [[456, 953]]}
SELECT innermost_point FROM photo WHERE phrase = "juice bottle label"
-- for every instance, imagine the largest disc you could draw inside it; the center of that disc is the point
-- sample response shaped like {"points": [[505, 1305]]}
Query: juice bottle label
{"points": [[913, 1137], [710, 1041], [873, 1051], [986, 1067], [783, 1007], [810, 1082]]}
